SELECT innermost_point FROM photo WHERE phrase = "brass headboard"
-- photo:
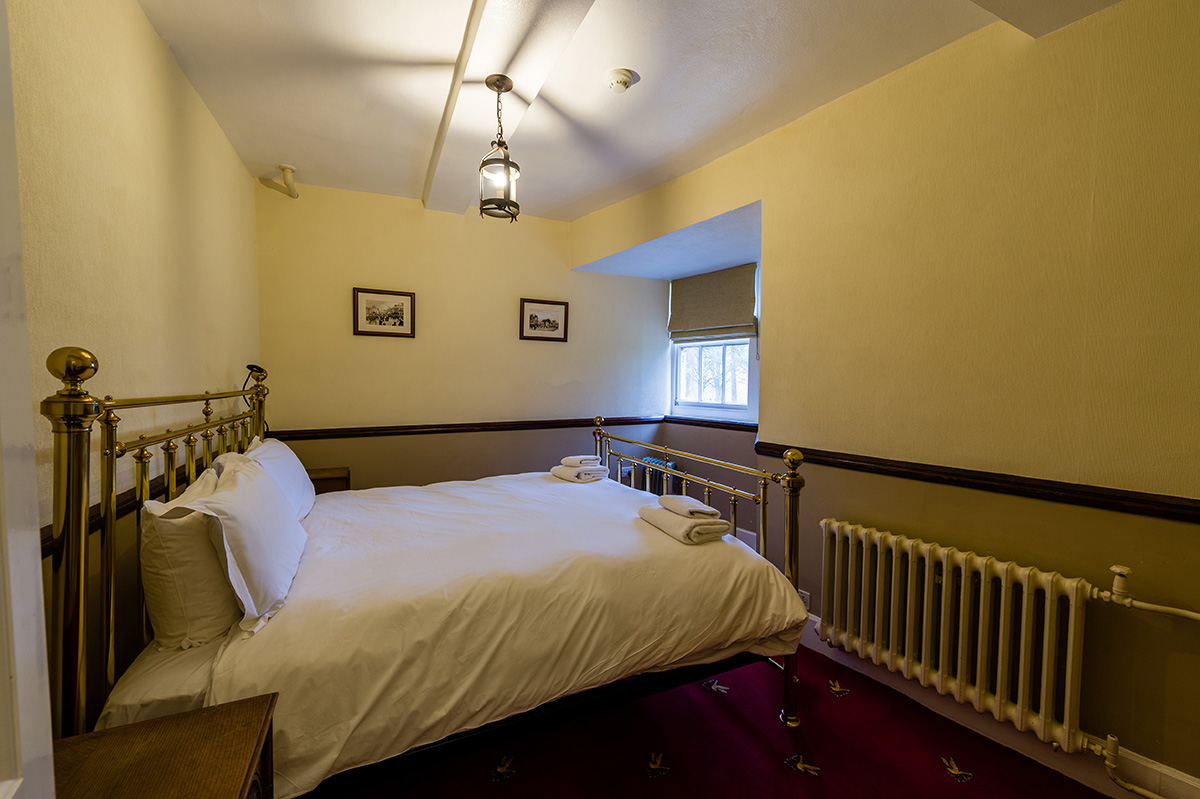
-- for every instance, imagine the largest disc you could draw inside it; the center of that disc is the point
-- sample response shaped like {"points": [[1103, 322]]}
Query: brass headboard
{"points": [[72, 412]]}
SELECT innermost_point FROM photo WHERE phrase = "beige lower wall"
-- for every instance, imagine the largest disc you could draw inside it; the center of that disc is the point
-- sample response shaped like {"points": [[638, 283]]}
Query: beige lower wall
{"points": [[432, 458]]}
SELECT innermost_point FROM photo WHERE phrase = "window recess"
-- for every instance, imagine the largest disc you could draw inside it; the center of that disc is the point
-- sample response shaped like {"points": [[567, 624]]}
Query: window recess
{"points": [[713, 327]]}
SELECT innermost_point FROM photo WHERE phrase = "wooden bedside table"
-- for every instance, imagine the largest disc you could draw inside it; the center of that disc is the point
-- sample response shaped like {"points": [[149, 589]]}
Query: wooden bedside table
{"points": [[336, 478], [219, 752]]}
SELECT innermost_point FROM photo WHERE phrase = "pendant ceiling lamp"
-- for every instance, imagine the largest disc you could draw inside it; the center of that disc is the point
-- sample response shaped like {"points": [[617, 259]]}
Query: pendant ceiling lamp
{"points": [[498, 173]]}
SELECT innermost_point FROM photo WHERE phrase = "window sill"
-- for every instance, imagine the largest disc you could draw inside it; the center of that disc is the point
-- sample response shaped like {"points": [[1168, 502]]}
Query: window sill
{"points": [[719, 424]]}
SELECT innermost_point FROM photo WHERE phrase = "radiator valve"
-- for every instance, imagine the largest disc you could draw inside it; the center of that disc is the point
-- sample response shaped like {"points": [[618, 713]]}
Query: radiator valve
{"points": [[1120, 577]]}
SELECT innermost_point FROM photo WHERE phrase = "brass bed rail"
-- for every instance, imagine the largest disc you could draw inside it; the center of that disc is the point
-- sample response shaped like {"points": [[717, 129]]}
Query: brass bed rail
{"points": [[791, 481], [72, 412]]}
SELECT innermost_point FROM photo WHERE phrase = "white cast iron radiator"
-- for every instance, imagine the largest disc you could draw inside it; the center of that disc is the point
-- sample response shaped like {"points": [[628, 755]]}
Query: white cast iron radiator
{"points": [[1007, 639]]}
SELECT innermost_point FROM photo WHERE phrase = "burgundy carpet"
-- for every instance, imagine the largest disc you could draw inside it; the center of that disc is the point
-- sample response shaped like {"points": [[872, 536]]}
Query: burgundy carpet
{"points": [[857, 738]]}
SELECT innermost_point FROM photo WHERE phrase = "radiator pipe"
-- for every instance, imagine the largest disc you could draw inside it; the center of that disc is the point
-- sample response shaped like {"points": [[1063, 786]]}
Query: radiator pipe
{"points": [[1111, 747], [1119, 595], [1110, 750]]}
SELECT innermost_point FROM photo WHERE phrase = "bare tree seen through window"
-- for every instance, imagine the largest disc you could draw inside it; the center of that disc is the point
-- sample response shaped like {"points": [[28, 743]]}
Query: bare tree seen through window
{"points": [[716, 373]]}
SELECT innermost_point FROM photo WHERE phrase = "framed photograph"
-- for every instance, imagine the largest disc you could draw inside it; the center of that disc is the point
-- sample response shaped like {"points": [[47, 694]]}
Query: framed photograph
{"points": [[383, 313], [543, 320]]}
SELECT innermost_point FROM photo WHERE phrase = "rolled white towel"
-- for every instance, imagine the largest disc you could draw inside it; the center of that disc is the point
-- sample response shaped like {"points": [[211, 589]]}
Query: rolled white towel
{"points": [[581, 460], [579, 474], [686, 506], [681, 528]]}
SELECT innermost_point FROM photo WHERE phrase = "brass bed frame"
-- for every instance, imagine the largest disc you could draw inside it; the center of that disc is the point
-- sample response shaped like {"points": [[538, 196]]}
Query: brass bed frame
{"points": [[791, 481], [72, 411]]}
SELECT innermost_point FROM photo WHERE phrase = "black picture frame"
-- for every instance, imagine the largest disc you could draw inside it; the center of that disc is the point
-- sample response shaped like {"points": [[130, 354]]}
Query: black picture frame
{"points": [[543, 320], [380, 312]]}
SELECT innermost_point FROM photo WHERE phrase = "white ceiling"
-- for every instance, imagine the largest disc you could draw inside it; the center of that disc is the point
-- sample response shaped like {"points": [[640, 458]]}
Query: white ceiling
{"points": [[387, 96]]}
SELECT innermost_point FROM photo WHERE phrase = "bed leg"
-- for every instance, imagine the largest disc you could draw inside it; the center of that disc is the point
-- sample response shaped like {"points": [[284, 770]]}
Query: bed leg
{"points": [[790, 715]]}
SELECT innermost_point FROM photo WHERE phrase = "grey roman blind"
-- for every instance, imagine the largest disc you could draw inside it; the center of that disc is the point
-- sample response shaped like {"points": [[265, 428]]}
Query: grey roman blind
{"points": [[714, 305]]}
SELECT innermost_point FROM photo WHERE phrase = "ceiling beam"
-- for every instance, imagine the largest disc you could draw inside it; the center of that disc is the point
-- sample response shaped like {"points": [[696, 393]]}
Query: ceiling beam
{"points": [[456, 82], [523, 39]]}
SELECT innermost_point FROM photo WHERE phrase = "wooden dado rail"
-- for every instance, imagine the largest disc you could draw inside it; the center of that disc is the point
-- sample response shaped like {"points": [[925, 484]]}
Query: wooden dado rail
{"points": [[1161, 506]]}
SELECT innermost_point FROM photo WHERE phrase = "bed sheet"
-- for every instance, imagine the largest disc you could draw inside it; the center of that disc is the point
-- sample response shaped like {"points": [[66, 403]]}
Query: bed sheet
{"points": [[159, 683], [418, 612]]}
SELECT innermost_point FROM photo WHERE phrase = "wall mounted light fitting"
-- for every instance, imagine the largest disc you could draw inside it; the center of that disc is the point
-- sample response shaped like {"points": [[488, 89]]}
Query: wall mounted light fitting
{"points": [[288, 186], [498, 173]]}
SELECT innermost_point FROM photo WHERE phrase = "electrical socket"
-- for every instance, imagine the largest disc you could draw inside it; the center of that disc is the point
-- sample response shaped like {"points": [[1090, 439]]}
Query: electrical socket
{"points": [[804, 597], [626, 469]]}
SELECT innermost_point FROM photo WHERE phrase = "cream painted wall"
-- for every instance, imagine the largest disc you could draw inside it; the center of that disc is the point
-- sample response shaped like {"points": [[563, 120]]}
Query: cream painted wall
{"points": [[26, 751], [986, 259], [138, 217], [465, 363]]}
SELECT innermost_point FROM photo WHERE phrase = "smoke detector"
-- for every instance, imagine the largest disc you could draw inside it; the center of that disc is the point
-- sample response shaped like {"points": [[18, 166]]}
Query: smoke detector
{"points": [[619, 80]]}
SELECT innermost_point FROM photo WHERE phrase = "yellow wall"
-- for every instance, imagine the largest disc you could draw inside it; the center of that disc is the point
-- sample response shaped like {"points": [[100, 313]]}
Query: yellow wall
{"points": [[987, 259], [465, 363], [990, 259], [137, 215]]}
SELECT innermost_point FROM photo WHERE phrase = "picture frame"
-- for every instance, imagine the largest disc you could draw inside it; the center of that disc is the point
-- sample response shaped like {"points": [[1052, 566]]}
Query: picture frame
{"points": [[543, 320], [380, 312]]}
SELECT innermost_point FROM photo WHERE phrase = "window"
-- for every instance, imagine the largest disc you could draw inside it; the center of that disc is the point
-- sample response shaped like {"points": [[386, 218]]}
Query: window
{"points": [[716, 379], [713, 325]]}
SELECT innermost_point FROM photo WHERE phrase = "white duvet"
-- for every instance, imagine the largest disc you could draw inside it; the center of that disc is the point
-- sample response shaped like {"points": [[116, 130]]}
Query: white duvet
{"points": [[418, 612]]}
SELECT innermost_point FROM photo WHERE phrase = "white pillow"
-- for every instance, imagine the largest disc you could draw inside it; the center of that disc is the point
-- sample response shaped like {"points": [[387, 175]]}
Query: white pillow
{"points": [[255, 532], [283, 465], [221, 461], [188, 597]]}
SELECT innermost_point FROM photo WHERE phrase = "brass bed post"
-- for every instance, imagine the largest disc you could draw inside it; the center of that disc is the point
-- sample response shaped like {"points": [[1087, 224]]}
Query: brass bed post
{"points": [[189, 457], [170, 478], [762, 515], [141, 484], [260, 402], [71, 412], [792, 483], [108, 543], [207, 435], [598, 434]]}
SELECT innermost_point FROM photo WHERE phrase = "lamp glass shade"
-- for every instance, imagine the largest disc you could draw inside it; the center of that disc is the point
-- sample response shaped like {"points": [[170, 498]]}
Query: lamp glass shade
{"points": [[498, 175]]}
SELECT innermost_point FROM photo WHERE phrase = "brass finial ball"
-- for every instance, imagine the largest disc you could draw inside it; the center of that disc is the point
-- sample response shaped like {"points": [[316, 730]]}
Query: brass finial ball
{"points": [[72, 365], [793, 458]]}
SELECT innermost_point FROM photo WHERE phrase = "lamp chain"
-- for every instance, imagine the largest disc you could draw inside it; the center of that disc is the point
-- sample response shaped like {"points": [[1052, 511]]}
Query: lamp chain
{"points": [[499, 120]]}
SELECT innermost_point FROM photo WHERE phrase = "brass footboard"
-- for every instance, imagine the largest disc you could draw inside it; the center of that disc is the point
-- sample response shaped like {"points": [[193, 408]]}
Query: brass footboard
{"points": [[72, 411], [791, 481]]}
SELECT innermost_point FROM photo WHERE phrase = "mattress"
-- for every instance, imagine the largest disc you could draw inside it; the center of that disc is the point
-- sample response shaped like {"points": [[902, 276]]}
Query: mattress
{"points": [[418, 612]]}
